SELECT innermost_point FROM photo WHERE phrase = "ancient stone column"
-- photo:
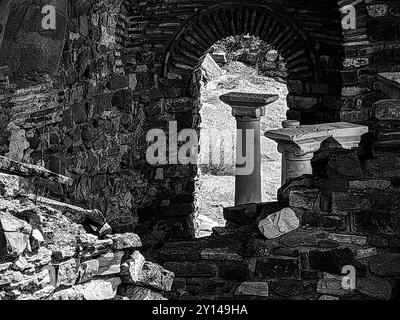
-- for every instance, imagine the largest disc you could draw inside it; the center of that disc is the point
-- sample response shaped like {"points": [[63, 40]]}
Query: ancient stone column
{"points": [[287, 124], [248, 110], [298, 144]]}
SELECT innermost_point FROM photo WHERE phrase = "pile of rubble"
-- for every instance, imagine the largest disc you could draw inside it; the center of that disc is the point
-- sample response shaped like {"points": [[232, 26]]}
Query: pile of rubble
{"points": [[56, 251], [251, 51]]}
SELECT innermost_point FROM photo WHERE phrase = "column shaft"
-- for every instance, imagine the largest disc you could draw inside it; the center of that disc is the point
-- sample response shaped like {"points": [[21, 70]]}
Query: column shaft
{"points": [[248, 186], [287, 124]]}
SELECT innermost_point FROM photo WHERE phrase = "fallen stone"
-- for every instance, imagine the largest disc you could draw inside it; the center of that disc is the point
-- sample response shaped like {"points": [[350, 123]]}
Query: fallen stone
{"points": [[210, 69], [101, 289], [107, 264], [89, 246], [140, 293], [88, 270], [130, 269], [126, 241], [374, 288], [386, 265], [279, 223], [36, 238], [110, 263], [14, 235], [41, 258], [105, 229], [155, 276], [259, 289], [21, 264], [67, 273]]}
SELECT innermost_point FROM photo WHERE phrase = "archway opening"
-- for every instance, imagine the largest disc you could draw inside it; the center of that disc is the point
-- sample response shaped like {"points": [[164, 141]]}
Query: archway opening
{"points": [[182, 76], [247, 64]]}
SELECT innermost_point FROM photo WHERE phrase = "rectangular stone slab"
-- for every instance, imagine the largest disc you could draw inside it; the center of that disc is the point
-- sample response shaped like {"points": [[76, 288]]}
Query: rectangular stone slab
{"points": [[322, 131], [253, 100]]}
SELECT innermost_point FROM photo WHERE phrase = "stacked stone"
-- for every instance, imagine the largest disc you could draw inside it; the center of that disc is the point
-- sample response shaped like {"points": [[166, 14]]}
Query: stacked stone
{"points": [[303, 264], [46, 251], [386, 119]]}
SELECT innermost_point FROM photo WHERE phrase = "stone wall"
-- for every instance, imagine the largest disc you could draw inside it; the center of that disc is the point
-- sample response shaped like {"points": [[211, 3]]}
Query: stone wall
{"points": [[51, 250], [113, 70], [76, 115], [306, 264]]}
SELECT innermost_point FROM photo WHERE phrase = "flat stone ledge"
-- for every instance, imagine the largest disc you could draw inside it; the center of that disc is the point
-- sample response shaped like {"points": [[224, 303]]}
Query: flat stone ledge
{"points": [[253, 100], [29, 170], [248, 105], [308, 139]]}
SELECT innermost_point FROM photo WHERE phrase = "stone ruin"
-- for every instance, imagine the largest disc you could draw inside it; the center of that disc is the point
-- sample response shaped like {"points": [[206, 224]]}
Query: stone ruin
{"points": [[79, 100], [56, 251]]}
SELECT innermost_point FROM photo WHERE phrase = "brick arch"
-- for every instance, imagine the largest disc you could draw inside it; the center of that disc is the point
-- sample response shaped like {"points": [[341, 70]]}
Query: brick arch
{"points": [[187, 49]]}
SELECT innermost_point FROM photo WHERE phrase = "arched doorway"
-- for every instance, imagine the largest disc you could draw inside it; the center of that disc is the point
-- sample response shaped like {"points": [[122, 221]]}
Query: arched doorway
{"points": [[182, 75]]}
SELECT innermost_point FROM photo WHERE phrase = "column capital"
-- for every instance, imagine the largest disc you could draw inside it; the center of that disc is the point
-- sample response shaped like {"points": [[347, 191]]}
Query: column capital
{"points": [[248, 106], [307, 139]]}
